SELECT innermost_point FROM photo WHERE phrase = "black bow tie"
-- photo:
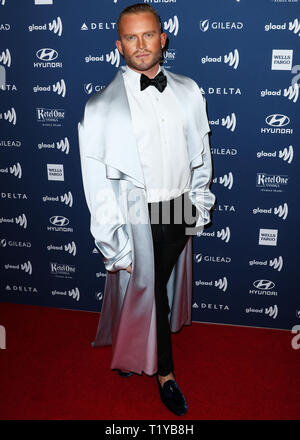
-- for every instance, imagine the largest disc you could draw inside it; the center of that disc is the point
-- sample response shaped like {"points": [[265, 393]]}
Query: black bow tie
{"points": [[159, 81]]}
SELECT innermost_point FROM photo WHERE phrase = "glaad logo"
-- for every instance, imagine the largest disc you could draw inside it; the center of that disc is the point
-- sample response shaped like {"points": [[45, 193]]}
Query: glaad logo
{"points": [[59, 87], [281, 211], [226, 180], [5, 58], [9, 116], [66, 198], [113, 58], [21, 220], [276, 263], [293, 26], [74, 293], [26, 267], [292, 93], [223, 234], [272, 311], [232, 59], [229, 122], [63, 145], [55, 26], [221, 284], [70, 248], [16, 170], [287, 154], [172, 25]]}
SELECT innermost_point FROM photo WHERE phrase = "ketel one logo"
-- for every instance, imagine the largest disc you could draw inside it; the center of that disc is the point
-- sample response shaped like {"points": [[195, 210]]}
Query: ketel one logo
{"points": [[47, 54], [56, 26], [272, 311], [113, 58], [232, 59], [67, 199], [292, 93], [16, 170], [264, 284], [294, 26], [229, 122], [277, 263], [21, 220], [5, 58], [224, 234], [9, 116], [59, 220], [172, 25], [277, 120], [226, 180], [74, 293], [71, 248]]}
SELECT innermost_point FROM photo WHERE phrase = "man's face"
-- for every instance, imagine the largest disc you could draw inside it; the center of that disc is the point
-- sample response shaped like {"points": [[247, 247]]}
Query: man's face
{"points": [[141, 41]]}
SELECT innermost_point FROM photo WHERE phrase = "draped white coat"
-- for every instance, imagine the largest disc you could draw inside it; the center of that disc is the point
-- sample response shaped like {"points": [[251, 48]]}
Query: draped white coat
{"points": [[116, 197]]}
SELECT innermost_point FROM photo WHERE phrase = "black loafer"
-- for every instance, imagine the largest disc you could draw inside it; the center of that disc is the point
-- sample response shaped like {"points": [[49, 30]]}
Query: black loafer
{"points": [[124, 374], [172, 397]]}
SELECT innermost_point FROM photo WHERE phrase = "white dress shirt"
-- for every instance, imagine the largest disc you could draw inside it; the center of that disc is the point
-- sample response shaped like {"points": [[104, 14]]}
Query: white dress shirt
{"points": [[159, 130]]}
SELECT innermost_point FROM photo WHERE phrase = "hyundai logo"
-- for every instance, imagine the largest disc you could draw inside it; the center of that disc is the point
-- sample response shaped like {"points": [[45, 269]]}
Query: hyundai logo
{"points": [[47, 54], [59, 220], [264, 284], [277, 120]]}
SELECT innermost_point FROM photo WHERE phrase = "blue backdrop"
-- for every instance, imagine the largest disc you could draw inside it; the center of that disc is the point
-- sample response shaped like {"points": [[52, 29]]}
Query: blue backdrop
{"points": [[244, 55]]}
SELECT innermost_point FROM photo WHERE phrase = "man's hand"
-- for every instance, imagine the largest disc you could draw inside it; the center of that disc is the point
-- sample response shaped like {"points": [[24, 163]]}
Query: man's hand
{"points": [[128, 268]]}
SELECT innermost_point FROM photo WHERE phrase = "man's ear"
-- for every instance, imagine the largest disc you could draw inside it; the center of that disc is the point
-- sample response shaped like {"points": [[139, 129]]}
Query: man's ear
{"points": [[163, 39], [119, 46]]}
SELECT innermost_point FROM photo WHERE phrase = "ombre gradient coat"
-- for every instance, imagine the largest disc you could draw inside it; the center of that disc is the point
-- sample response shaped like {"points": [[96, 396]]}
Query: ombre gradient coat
{"points": [[115, 189]]}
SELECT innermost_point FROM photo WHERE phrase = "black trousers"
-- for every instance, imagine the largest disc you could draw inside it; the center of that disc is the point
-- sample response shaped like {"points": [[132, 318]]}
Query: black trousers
{"points": [[168, 225]]}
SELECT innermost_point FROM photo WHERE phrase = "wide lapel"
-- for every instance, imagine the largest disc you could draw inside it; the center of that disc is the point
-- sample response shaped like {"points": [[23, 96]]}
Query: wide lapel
{"points": [[109, 135]]}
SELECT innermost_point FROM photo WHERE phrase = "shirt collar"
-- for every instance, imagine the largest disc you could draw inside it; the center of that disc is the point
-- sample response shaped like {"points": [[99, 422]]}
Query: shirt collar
{"points": [[133, 77]]}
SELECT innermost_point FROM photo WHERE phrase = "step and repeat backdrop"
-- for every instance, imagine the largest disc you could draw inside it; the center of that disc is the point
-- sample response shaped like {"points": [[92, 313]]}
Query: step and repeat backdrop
{"points": [[245, 57]]}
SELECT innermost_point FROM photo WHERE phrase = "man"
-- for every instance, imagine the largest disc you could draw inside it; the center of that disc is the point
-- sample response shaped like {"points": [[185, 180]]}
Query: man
{"points": [[145, 151]]}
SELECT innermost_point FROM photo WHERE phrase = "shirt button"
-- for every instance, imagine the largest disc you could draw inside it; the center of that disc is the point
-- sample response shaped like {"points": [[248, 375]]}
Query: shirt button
{"points": [[162, 120]]}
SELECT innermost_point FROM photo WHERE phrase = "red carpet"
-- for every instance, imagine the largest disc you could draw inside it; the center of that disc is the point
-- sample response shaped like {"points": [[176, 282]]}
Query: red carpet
{"points": [[50, 371]]}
